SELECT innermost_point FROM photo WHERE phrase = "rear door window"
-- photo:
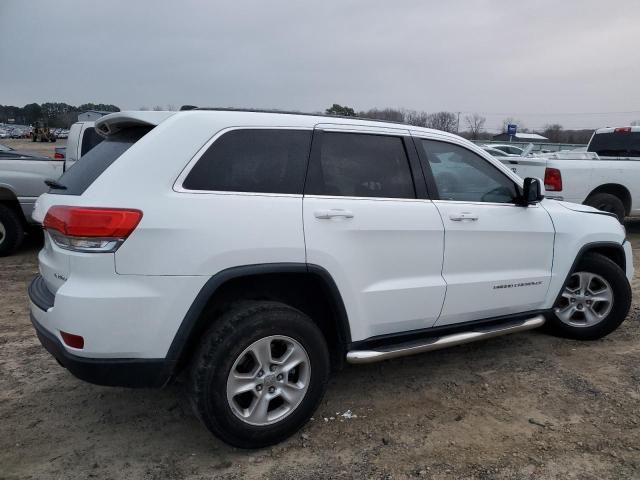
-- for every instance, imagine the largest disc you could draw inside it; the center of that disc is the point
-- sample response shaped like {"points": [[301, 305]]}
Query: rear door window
{"points": [[616, 144], [361, 165], [83, 173], [255, 161]]}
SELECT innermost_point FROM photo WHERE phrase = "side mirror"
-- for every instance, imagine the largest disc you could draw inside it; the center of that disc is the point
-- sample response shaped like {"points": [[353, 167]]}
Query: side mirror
{"points": [[532, 191]]}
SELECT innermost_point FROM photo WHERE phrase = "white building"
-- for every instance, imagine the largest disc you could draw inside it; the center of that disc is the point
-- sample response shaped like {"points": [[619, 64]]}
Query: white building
{"points": [[91, 115]]}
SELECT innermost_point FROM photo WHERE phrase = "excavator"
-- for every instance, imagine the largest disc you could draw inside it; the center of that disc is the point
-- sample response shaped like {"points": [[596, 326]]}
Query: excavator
{"points": [[41, 133]]}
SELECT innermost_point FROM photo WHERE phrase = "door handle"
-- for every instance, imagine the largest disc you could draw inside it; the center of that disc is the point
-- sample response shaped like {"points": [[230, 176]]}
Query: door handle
{"points": [[333, 213], [458, 217]]}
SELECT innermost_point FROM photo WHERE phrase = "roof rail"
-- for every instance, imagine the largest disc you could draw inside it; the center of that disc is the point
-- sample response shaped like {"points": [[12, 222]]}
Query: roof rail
{"points": [[286, 112]]}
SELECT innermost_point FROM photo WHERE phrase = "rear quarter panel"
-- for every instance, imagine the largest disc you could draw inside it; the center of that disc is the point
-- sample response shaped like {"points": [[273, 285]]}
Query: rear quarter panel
{"points": [[193, 233]]}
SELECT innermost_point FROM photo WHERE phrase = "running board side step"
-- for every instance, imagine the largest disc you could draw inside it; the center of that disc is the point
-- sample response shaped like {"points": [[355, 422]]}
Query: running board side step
{"points": [[436, 343]]}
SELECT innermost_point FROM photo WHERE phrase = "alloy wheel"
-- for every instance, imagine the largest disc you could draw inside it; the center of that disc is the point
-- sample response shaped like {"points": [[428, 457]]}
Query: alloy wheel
{"points": [[586, 300], [268, 380]]}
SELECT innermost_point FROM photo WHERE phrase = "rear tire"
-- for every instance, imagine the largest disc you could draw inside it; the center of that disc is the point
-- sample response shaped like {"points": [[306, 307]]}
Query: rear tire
{"points": [[11, 231], [232, 375], [607, 202], [599, 295]]}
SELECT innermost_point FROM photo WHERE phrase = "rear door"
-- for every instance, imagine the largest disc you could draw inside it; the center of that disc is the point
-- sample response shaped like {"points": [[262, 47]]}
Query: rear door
{"points": [[373, 228], [498, 255]]}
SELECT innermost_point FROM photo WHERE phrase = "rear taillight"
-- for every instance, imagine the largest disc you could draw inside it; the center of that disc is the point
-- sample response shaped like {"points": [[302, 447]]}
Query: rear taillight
{"points": [[552, 180], [86, 229], [622, 130], [58, 156]]}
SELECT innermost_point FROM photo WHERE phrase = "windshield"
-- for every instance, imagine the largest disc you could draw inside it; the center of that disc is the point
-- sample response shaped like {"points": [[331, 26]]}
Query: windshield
{"points": [[616, 144]]}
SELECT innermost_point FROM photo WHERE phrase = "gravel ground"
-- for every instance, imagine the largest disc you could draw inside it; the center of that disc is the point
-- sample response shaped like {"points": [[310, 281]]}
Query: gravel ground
{"points": [[37, 148], [522, 406]]}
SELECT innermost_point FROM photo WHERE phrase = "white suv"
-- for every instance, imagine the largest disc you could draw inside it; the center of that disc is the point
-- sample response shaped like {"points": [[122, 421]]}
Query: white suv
{"points": [[255, 251]]}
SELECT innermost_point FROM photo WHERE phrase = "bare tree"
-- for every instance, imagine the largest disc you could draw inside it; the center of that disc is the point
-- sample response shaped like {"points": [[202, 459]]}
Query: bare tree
{"points": [[445, 121], [417, 118], [475, 122], [553, 132], [389, 114], [157, 108], [635, 123]]}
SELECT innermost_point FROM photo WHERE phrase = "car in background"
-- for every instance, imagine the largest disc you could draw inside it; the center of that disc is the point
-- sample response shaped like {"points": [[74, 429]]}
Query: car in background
{"points": [[510, 149], [4, 134], [60, 153], [494, 152], [605, 176], [22, 181]]}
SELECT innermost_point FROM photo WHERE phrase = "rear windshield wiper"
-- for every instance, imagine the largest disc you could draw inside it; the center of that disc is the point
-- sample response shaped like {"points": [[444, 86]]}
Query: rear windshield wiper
{"points": [[55, 185]]}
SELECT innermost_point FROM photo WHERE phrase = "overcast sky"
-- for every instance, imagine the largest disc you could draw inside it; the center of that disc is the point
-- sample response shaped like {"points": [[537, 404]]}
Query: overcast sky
{"points": [[572, 61]]}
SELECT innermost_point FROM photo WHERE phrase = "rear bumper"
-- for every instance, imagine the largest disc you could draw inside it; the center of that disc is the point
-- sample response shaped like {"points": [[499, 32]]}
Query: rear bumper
{"points": [[122, 372]]}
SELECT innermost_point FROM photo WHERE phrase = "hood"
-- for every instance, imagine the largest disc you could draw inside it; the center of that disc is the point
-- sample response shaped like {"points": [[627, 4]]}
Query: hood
{"points": [[578, 207]]}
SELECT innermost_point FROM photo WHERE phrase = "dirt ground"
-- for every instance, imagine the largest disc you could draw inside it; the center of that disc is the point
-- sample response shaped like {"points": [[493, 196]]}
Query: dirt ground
{"points": [[516, 407], [37, 148]]}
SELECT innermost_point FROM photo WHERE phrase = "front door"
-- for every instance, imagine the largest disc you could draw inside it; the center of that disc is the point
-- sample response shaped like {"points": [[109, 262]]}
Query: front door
{"points": [[498, 255]]}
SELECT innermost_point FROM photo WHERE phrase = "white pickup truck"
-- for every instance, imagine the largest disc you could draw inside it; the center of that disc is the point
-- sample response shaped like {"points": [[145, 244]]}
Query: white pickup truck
{"points": [[606, 176]]}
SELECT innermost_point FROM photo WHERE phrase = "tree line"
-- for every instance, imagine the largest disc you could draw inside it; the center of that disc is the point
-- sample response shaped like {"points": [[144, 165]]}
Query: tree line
{"points": [[55, 114], [470, 125]]}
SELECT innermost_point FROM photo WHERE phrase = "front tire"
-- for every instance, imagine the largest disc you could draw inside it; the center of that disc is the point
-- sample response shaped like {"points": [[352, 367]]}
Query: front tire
{"points": [[607, 203], [594, 302], [259, 374]]}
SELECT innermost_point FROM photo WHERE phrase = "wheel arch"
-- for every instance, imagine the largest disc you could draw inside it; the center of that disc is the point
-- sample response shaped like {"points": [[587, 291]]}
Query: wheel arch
{"points": [[611, 250], [9, 198], [617, 190], [309, 288]]}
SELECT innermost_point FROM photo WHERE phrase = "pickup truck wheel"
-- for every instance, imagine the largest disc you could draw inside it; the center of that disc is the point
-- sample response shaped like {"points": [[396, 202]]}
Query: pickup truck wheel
{"points": [[594, 302], [259, 374], [607, 203], [11, 231]]}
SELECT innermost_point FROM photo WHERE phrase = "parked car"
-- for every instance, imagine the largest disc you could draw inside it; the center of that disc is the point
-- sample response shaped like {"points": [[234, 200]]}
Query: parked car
{"points": [[60, 153], [606, 176], [494, 152], [22, 177], [254, 252], [510, 149], [4, 134]]}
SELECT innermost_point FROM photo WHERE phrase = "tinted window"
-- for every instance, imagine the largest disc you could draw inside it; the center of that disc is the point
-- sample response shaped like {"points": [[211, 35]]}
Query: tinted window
{"points": [[462, 175], [360, 165], [620, 144], [263, 161], [90, 139], [83, 173]]}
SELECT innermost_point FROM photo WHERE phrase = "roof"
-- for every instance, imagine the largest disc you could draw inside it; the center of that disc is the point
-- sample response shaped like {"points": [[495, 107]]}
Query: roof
{"points": [[115, 121], [530, 136]]}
